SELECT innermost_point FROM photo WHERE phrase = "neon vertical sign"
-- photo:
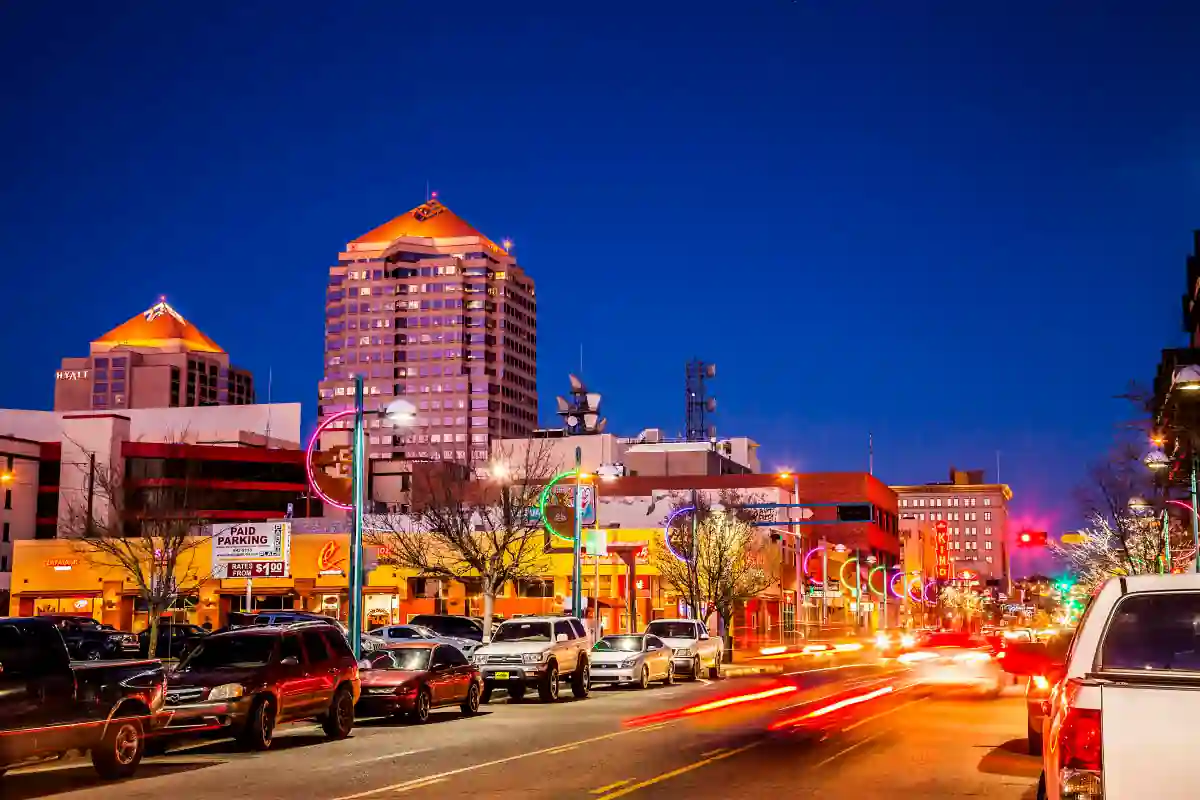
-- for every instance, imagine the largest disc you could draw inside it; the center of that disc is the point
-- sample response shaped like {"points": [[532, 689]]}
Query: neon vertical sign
{"points": [[942, 551]]}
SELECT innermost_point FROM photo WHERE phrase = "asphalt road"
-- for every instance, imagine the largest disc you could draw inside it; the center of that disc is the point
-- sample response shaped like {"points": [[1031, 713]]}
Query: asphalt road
{"points": [[856, 731]]}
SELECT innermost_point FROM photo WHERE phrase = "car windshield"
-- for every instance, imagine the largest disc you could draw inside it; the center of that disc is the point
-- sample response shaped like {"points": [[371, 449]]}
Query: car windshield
{"points": [[951, 639], [523, 632], [230, 652], [406, 658], [621, 644], [423, 632], [672, 630]]}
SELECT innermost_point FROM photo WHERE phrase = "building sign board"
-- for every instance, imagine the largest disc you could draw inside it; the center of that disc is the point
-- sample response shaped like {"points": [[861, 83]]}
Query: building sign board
{"points": [[71, 374], [252, 547], [942, 551]]}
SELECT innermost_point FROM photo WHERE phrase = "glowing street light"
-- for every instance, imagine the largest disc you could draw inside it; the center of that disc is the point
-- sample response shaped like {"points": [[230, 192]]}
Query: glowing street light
{"points": [[1187, 378], [1156, 460], [1139, 505]]}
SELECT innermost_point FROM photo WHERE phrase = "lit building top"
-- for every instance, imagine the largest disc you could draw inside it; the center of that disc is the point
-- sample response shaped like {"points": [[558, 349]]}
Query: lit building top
{"points": [[430, 220], [159, 326]]}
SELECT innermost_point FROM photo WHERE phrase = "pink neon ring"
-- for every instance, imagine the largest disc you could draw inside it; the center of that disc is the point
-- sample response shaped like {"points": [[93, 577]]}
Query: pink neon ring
{"points": [[308, 465]]}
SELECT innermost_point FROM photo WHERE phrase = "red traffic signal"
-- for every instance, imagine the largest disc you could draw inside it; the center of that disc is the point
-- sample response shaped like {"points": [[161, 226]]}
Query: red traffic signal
{"points": [[1031, 539]]}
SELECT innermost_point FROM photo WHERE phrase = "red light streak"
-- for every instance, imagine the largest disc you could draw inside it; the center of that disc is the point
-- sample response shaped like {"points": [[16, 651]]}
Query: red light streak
{"points": [[713, 705], [829, 709]]}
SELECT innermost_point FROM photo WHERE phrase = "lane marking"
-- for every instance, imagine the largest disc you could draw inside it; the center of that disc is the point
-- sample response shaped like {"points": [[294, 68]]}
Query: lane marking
{"points": [[846, 750], [564, 749], [611, 786], [675, 773], [421, 785], [388, 757], [417, 782]]}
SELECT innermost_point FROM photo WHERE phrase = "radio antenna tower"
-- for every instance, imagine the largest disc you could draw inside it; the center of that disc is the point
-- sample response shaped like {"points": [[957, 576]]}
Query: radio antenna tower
{"points": [[699, 404]]}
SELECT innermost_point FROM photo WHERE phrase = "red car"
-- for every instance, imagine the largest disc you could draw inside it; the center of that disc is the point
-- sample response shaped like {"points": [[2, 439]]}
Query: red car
{"points": [[413, 678]]}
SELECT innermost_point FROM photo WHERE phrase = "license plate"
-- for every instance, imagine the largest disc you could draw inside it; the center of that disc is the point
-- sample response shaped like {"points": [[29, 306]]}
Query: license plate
{"points": [[501, 676]]}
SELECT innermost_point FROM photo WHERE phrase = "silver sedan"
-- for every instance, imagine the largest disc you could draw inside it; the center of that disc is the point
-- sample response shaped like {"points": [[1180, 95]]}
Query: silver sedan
{"points": [[392, 634], [636, 658]]}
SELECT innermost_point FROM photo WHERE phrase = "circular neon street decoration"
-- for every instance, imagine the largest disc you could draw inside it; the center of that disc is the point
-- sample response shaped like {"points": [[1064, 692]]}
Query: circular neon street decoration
{"points": [[871, 575], [667, 529], [925, 593], [842, 572], [308, 461], [808, 558], [543, 497], [892, 584], [916, 579]]}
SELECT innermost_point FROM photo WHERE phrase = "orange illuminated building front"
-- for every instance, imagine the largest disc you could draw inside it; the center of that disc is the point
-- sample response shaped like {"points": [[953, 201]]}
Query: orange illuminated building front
{"points": [[156, 359], [55, 576]]}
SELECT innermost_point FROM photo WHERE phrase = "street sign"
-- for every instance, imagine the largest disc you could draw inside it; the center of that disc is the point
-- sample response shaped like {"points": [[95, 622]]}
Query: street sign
{"points": [[254, 569], [804, 513], [249, 543], [596, 542]]}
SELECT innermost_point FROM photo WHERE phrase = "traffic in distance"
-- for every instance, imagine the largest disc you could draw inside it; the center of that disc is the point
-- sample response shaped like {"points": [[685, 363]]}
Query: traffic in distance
{"points": [[251, 681]]}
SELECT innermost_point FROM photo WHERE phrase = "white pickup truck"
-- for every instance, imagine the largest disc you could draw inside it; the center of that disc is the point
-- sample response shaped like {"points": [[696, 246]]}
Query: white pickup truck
{"points": [[694, 648], [1121, 722]]}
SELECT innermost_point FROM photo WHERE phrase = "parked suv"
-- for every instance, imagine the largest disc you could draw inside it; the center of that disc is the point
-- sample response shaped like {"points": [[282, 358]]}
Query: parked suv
{"points": [[536, 651], [88, 640], [247, 681], [450, 626]]}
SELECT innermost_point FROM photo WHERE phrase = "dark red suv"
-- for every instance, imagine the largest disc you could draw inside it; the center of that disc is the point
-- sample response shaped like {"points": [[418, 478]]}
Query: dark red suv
{"points": [[246, 681]]}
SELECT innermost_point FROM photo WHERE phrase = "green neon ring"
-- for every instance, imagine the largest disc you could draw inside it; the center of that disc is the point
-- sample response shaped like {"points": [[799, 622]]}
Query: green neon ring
{"points": [[842, 572], [872, 588], [544, 496]]}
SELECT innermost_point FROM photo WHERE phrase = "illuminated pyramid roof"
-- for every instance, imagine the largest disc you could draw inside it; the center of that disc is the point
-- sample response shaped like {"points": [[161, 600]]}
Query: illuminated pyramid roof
{"points": [[430, 220], [159, 326]]}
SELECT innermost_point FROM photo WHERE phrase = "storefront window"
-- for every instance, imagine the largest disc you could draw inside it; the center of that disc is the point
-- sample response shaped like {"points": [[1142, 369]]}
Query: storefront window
{"points": [[535, 587], [263, 602], [77, 606]]}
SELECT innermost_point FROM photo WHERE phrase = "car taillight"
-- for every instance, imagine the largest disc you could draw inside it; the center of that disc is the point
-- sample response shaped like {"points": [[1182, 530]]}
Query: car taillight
{"points": [[973, 656], [1040, 683], [1079, 740]]}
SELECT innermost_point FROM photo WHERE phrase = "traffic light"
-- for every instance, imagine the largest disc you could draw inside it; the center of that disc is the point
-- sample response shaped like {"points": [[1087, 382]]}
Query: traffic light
{"points": [[1031, 539]]}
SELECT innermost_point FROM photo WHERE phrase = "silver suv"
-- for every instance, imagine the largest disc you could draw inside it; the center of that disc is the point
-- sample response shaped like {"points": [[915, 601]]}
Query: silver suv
{"points": [[538, 652]]}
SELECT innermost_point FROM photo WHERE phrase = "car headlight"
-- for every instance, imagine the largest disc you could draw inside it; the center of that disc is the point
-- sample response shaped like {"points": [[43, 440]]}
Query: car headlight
{"points": [[534, 658], [480, 659], [629, 663], [227, 691], [683, 651], [908, 640]]}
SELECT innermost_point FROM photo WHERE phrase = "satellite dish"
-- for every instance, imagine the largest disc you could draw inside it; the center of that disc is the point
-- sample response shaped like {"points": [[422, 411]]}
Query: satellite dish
{"points": [[572, 420]]}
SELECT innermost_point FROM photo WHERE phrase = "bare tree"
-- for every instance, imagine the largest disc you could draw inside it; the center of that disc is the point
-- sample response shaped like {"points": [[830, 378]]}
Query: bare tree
{"points": [[151, 535], [468, 526], [1131, 545], [733, 561]]}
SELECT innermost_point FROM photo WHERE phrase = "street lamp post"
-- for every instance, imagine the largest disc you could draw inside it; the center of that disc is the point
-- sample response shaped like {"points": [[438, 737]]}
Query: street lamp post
{"points": [[576, 570]]}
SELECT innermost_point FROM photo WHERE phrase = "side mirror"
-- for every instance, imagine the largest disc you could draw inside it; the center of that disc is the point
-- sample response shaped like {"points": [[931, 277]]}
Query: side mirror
{"points": [[704, 637], [562, 637], [290, 661]]}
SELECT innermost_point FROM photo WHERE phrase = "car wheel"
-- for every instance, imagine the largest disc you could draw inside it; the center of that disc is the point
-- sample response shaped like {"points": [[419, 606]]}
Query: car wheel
{"points": [[120, 750], [696, 668], [644, 678], [422, 707], [548, 688], [470, 706], [340, 720], [93, 655], [670, 679], [1035, 742], [486, 697], [260, 727], [581, 681], [714, 672]]}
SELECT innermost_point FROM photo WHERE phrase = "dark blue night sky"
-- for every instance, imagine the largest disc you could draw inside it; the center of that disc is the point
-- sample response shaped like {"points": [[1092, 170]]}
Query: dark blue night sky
{"points": [[961, 226]]}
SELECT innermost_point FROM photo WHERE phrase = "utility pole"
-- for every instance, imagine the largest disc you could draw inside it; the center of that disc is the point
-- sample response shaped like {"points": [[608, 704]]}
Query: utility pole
{"points": [[576, 571], [356, 535], [91, 492], [693, 567], [1195, 518]]}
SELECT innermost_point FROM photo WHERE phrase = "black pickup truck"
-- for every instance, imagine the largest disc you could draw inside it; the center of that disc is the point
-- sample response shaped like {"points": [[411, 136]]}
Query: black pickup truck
{"points": [[50, 705]]}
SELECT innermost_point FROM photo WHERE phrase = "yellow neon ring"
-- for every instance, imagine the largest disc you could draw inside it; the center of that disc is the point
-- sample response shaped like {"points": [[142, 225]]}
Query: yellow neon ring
{"points": [[842, 572]]}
